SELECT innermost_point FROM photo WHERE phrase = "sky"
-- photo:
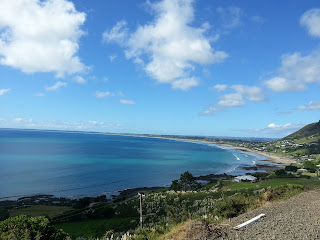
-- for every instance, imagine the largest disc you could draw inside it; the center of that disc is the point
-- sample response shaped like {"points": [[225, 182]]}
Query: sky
{"points": [[183, 67]]}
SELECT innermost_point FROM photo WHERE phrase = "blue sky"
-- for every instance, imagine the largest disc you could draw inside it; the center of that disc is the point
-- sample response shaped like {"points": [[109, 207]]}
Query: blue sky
{"points": [[189, 67]]}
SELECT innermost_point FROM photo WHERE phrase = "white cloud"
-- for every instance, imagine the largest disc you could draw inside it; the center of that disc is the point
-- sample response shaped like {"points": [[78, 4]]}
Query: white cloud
{"points": [[253, 94], [277, 130], [118, 33], [56, 86], [230, 17], [130, 102], [220, 87], [185, 83], [313, 105], [18, 120], [41, 36], [210, 111], [112, 57], [60, 125], [295, 72], [311, 21], [280, 84], [4, 91], [236, 99], [231, 100], [80, 80], [102, 94], [168, 48]]}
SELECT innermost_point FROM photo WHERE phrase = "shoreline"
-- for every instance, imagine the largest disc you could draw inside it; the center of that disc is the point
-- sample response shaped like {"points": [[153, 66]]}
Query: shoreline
{"points": [[270, 157], [276, 160]]}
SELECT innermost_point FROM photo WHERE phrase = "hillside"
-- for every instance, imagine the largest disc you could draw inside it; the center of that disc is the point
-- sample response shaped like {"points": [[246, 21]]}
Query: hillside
{"points": [[310, 131], [294, 218]]}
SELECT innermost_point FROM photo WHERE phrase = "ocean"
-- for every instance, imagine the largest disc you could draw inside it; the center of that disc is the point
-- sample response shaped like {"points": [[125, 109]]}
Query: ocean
{"points": [[78, 164]]}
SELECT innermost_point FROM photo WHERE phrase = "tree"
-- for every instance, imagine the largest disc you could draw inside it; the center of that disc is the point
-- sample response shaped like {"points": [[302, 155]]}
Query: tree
{"points": [[175, 186], [24, 227], [291, 168]]}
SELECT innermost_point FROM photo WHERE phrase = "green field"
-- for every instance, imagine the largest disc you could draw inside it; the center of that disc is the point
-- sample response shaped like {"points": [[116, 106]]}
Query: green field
{"points": [[97, 227], [270, 183], [39, 210]]}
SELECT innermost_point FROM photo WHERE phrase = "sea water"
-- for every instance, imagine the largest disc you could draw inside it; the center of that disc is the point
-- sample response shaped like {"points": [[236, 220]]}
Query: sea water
{"points": [[75, 164]]}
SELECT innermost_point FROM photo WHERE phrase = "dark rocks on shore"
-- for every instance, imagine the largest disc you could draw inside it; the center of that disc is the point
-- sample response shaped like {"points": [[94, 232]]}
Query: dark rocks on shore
{"points": [[214, 177]]}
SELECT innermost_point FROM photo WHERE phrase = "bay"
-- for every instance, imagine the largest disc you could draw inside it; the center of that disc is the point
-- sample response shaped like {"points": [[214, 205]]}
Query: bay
{"points": [[76, 164]]}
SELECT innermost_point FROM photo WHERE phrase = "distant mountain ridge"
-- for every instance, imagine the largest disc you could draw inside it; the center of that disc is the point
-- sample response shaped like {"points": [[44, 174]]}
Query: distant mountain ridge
{"points": [[311, 130]]}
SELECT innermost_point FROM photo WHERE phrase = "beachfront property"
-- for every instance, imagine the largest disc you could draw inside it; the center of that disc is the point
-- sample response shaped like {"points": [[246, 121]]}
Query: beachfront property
{"points": [[244, 178]]}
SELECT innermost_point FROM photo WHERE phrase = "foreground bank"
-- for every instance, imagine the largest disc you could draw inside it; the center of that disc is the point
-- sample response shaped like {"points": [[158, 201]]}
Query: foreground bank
{"points": [[164, 210]]}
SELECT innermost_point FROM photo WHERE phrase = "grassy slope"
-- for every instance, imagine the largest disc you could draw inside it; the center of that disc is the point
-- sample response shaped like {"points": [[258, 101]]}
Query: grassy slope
{"points": [[96, 227], [39, 210], [307, 131]]}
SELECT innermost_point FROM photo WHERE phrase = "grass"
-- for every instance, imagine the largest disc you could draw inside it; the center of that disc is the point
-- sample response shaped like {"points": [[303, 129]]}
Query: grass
{"points": [[270, 183], [39, 210], [96, 227]]}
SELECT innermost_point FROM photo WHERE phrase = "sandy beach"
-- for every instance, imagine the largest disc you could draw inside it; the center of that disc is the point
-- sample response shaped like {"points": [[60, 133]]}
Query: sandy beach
{"points": [[270, 157]]}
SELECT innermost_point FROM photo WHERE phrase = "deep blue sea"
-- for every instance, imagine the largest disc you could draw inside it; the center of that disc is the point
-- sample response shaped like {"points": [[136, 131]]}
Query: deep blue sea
{"points": [[76, 164]]}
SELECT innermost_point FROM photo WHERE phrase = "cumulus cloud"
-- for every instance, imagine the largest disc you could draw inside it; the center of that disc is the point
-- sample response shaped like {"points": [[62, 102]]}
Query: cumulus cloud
{"points": [[168, 48], [231, 100], [185, 83], [210, 111], [124, 101], [277, 130], [253, 94], [80, 80], [220, 87], [295, 72], [311, 21], [102, 94], [313, 105], [41, 36], [242, 93], [280, 84], [4, 91], [56, 86]]}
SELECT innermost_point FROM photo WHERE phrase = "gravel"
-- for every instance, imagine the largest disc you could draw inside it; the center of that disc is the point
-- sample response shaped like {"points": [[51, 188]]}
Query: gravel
{"points": [[295, 218]]}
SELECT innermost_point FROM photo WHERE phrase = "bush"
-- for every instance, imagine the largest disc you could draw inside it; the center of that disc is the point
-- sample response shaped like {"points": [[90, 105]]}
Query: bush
{"points": [[280, 172], [291, 168], [282, 192], [4, 214], [230, 207], [24, 227]]}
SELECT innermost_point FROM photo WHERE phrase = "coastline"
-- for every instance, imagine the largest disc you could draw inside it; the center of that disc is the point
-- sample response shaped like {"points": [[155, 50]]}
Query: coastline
{"points": [[277, 161], [270, 157]]}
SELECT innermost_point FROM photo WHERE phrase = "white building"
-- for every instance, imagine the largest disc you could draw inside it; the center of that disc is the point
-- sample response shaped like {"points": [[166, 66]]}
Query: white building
{"points": [[244, 178]]}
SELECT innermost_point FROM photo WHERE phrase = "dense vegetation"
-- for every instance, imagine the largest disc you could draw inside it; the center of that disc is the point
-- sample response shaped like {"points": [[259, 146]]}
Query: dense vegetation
{"points": [[24, 227], [165, 209]]}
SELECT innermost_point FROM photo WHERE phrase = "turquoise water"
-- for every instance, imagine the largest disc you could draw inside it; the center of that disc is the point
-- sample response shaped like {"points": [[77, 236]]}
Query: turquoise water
{"points": [[79, 164]]}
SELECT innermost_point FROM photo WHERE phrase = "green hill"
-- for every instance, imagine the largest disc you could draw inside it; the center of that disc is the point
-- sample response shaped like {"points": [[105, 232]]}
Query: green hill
{"points": [[310, 131]]}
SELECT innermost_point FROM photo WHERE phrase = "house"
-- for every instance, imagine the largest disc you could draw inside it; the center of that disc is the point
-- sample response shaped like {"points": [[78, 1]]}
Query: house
{"points": [[244, 178]]}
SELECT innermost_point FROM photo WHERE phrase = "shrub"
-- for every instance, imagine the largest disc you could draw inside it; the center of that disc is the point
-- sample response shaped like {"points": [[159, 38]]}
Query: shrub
{"points": [[230, 207], [291, 168], [282, 192], [24, 227], [280, 172]]}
